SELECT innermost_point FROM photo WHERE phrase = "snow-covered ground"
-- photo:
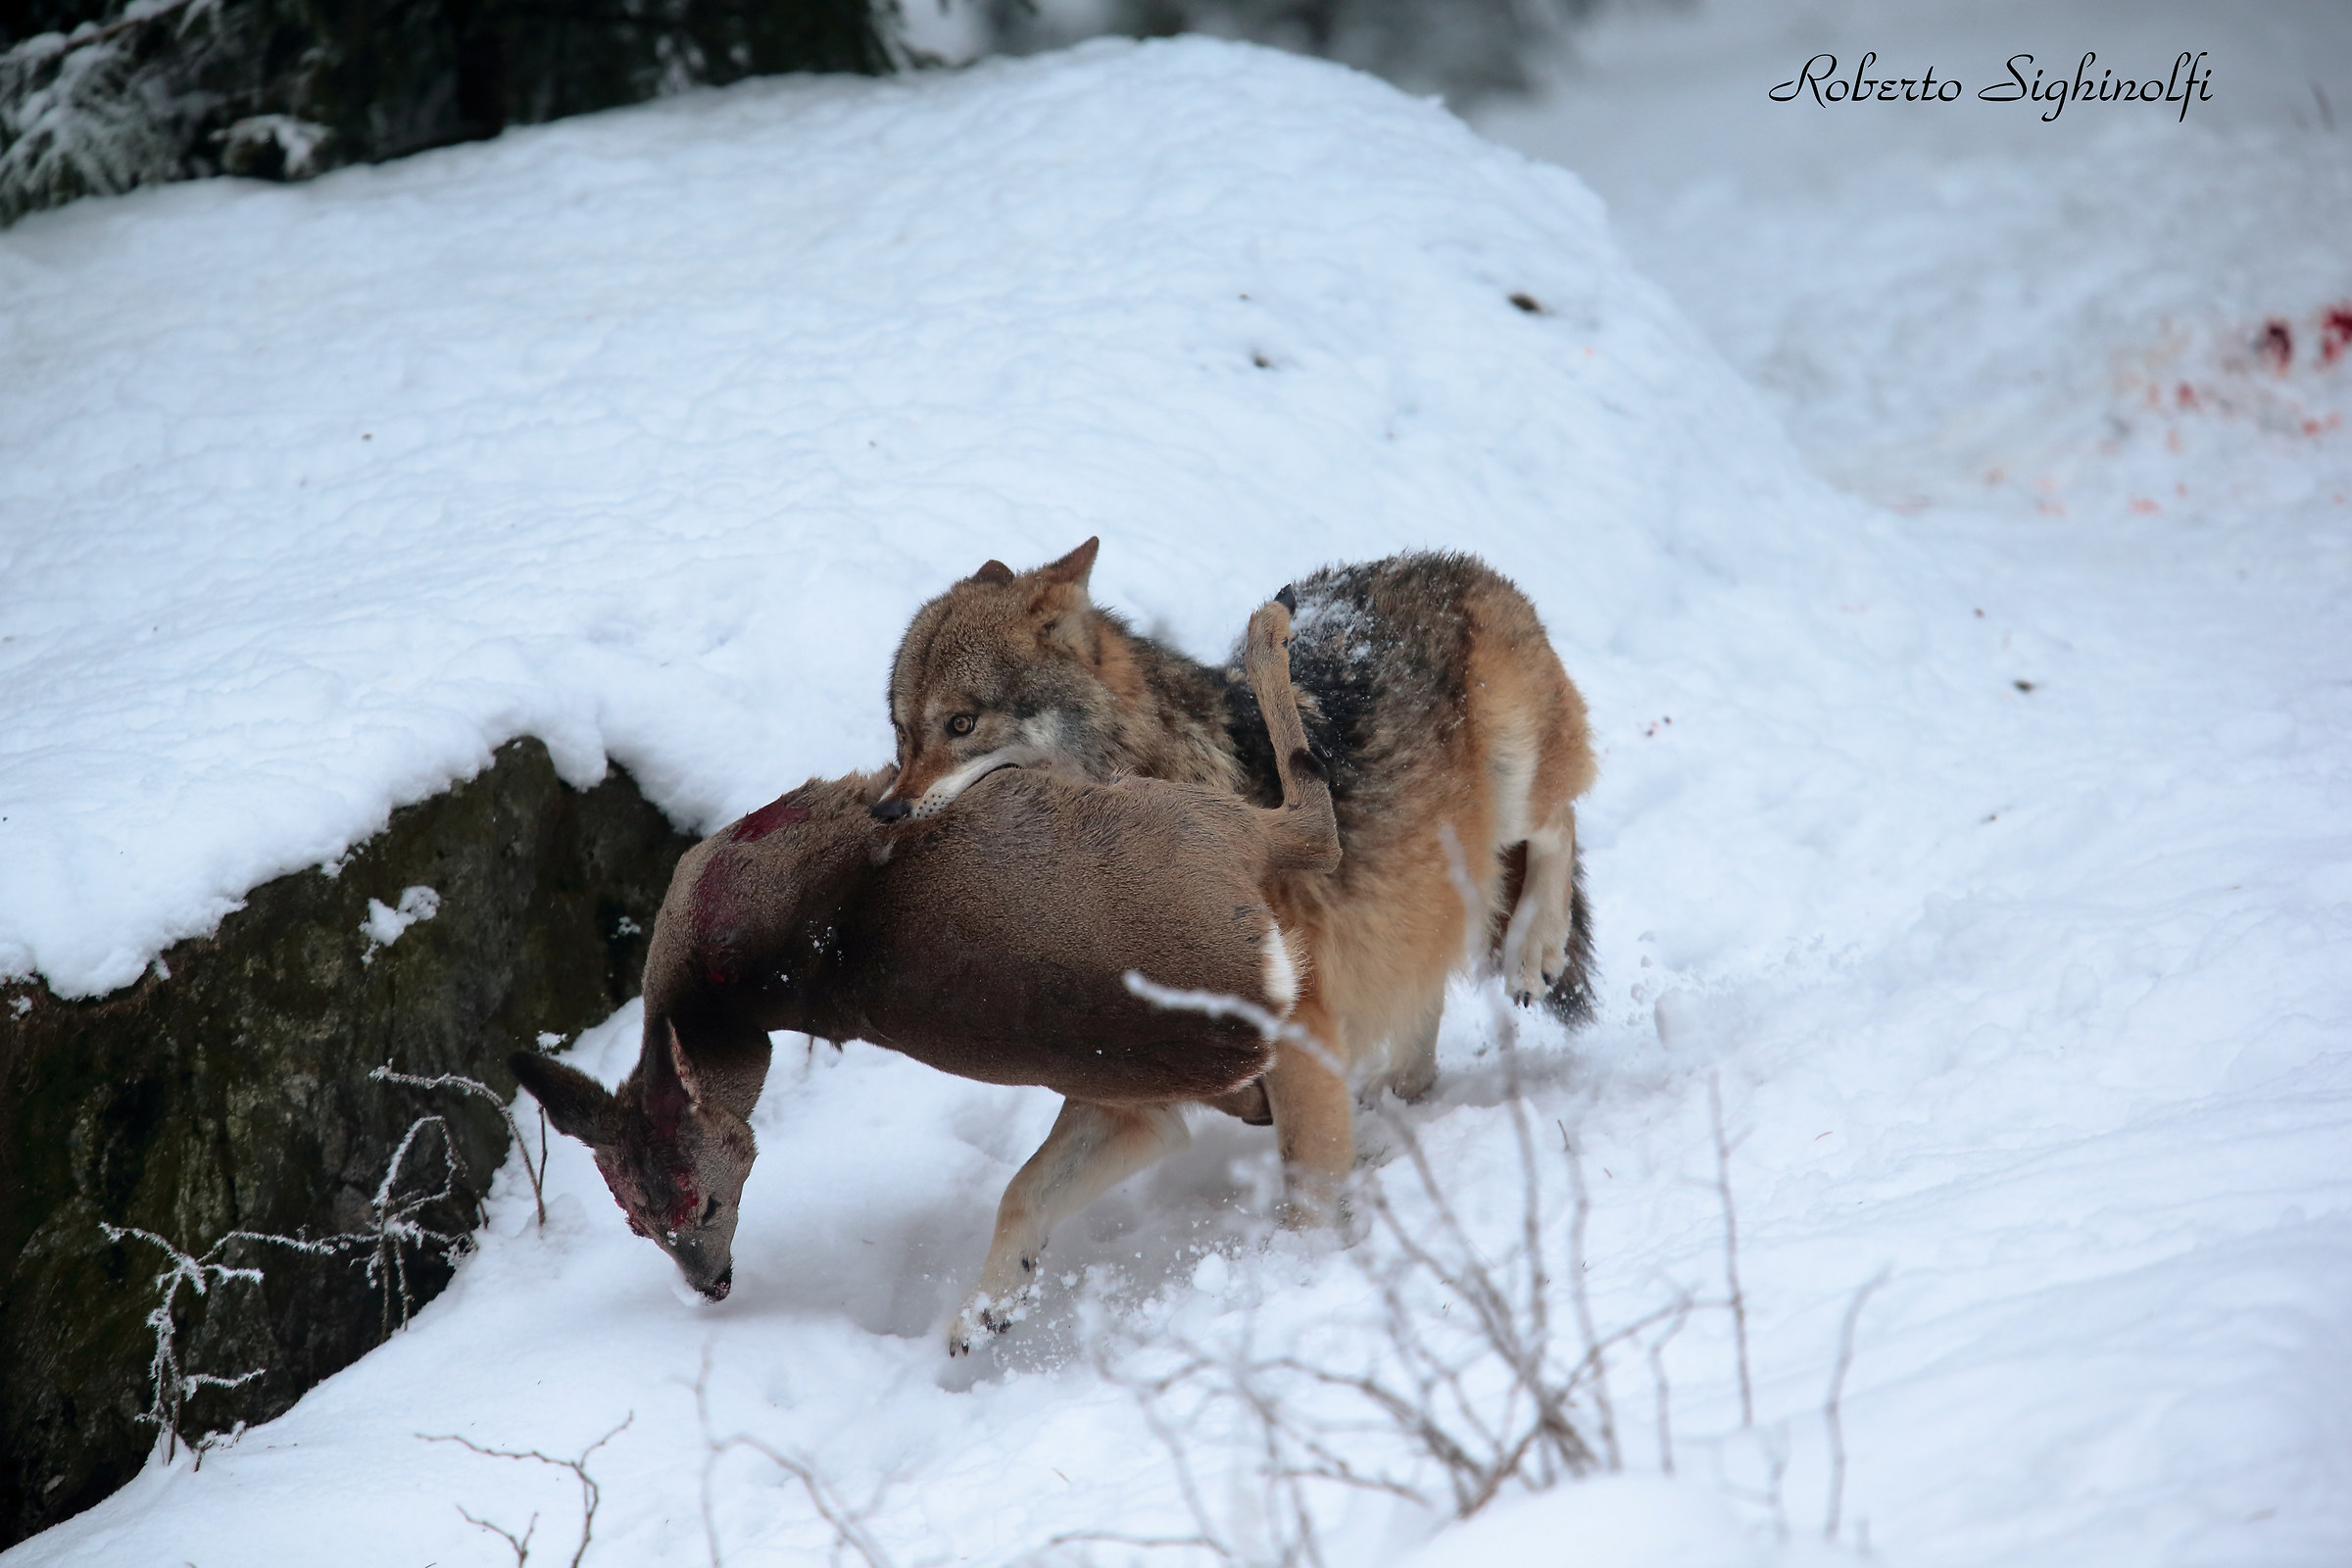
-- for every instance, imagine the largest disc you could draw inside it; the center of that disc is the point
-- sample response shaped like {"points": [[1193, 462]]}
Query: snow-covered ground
{"points": [[1974, 806]]}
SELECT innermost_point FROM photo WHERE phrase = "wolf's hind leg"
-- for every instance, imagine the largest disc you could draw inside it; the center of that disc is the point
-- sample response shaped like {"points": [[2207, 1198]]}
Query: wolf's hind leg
{"points": [[1536, 944], [1091, 1149]]}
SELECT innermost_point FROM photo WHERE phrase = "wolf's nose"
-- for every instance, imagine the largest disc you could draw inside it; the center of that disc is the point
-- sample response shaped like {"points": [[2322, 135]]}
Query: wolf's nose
{"points": [[890, 811], [717, 1288]]}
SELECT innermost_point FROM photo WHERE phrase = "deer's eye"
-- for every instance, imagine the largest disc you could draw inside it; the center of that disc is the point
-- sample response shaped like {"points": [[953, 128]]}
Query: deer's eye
{"points": [[709, 1210], [960, 725]]}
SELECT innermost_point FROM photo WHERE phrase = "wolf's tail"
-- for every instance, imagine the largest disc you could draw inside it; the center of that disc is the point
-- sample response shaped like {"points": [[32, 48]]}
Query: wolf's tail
{"points": [[1571, 999]]}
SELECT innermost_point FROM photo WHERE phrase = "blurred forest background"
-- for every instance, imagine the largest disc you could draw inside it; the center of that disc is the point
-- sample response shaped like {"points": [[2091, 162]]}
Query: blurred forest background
{"points": [[103, 95]]}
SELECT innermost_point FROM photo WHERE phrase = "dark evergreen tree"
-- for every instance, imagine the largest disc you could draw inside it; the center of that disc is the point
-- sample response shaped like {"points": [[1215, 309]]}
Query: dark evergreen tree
{"points": [[100, 95], [1465, 49]]}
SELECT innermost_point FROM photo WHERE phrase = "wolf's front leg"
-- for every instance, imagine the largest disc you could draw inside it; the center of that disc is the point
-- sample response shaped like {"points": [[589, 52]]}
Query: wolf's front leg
{"points": [[1092, 1149]]}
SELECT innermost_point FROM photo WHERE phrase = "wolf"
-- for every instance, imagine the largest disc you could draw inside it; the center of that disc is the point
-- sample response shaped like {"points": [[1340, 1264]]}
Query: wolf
{"points": [[1455, 746], [997, 941]]}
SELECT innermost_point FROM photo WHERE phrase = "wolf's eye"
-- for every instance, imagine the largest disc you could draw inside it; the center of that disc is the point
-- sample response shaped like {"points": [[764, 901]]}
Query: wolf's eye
{"points": [[709, 1210], [960, 725]]}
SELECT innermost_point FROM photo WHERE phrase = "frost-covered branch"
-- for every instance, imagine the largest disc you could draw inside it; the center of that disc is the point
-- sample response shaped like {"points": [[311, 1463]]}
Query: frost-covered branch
{"points": [[396, 1227], [534, 1170], [171, 1382]]}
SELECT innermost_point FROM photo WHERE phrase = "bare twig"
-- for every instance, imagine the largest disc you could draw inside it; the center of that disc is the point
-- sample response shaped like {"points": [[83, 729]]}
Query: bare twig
{"points": [[591, 1495], [1660, 1389], [1579, 1297], [848, 1528], [1832, 1414], [521, 1545], [1731, 1248], [1488, 1396]]}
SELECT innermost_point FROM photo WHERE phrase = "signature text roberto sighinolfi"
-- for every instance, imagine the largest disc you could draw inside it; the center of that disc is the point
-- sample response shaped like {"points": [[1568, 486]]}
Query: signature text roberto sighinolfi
{"points": [[2190, 77]]}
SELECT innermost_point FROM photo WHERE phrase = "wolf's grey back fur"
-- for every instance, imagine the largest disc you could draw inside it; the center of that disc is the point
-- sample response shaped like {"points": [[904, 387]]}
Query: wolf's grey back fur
{"points": [[1380, 658]]}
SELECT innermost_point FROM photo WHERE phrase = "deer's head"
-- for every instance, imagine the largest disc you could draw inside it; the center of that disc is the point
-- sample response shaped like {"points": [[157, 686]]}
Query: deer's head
{"points": [[675, 1157]]}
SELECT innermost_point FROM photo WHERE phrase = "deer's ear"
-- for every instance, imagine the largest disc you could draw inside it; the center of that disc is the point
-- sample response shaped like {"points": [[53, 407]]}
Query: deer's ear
{"points": [[578, 1106], [683, 1065], [1072, 570], [993, 571]]}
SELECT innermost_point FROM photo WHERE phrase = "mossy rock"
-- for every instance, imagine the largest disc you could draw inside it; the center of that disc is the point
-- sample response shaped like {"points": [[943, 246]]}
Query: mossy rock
{"points": [[229, 1090]]}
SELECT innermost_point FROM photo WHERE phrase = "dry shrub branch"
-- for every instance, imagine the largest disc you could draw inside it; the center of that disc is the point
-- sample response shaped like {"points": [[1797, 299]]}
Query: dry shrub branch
{"points": [[591, 1493]]}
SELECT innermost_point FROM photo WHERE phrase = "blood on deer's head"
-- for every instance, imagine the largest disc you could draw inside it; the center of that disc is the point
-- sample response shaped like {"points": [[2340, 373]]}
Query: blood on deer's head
{"points": [[674, 1156]]}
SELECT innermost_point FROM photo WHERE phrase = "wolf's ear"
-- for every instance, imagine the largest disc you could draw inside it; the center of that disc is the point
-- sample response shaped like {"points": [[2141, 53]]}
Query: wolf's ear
{"points": [[993, 571], [1073, 568], [578, 1106], [1058, 602]]}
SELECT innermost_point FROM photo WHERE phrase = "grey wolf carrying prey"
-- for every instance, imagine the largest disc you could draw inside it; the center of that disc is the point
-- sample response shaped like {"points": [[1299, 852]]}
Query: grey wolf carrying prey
{"points": [[1433, 696], [995, 942]]}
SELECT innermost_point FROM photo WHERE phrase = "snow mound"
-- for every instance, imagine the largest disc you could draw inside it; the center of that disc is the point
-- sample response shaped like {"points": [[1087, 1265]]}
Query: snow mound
{"points": [[644, 433]]}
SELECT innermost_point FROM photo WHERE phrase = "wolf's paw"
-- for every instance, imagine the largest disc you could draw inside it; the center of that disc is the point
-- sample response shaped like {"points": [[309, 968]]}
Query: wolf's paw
{"points": [[1537, 972], [1543, 959]]}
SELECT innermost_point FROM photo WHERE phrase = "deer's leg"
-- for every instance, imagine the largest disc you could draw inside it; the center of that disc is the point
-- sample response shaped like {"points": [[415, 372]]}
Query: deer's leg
{"points": [[1534, 944], [1313, 1115], [1091, 1149]]}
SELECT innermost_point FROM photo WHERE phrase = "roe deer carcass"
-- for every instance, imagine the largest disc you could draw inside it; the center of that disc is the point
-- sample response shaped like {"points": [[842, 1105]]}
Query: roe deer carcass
{"points": [[996, 941]]}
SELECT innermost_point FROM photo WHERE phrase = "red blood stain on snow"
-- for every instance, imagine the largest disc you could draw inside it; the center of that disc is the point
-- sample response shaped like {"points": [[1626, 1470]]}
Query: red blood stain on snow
{"points": [[2335, 332], [2185, 394], [2277, 344], [2144, 507]]}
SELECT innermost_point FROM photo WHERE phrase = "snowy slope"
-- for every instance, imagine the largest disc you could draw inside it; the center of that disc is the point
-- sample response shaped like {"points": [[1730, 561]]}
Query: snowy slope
{"points": [[2031, 998], [646, 435]]}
